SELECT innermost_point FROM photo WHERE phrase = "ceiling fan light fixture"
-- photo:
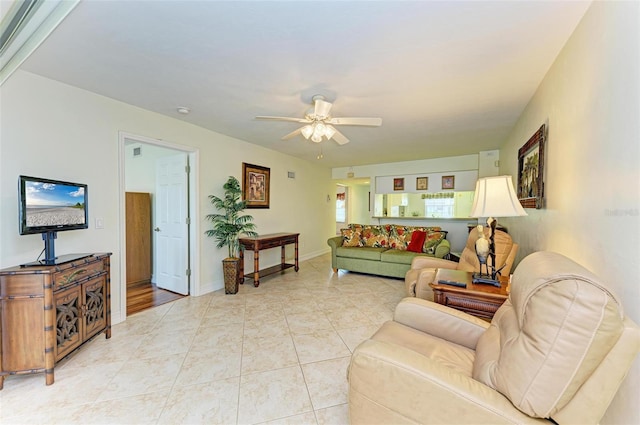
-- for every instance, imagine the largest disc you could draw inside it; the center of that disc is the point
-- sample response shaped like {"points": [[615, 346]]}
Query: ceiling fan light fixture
{"points": [[319, 129], [329, 132], [306, 131], [318, 123]]}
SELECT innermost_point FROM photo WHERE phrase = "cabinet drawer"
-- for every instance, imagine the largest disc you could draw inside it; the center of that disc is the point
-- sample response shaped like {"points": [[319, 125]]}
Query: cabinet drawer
{"points": [[72, 275]]}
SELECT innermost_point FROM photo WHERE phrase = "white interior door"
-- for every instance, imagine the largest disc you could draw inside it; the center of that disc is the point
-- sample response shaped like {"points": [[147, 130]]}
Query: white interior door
{"points": [[171, 228]]}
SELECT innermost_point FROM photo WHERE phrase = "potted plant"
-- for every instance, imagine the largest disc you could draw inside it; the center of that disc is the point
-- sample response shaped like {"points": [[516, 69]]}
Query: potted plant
{"points": [[227, 228]]}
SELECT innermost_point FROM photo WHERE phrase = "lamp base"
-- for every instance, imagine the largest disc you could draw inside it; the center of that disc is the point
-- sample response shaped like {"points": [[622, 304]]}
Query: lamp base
{"points": [[485, 279]]}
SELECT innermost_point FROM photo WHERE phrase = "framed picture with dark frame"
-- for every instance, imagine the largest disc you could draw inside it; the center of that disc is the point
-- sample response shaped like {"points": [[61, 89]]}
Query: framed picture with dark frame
{"points": [[531, 170], [256, 182], [448, 182], [398, 183], [422, 183]]}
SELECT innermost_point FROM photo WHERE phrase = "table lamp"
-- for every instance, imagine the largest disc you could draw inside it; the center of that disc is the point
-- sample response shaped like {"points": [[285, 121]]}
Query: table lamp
{"points": [[494, 197]]}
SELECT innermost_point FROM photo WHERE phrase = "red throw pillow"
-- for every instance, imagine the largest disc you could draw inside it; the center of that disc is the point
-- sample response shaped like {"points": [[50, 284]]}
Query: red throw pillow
{"points": [[417, 240]]}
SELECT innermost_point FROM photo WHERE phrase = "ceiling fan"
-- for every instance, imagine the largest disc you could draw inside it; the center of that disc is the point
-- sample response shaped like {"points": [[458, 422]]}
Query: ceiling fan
{"points": [[319, 123]]}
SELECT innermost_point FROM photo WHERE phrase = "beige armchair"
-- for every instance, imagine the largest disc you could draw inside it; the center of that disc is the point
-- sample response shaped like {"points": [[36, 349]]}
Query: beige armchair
{"points": [[423, 270], [558, 349]]}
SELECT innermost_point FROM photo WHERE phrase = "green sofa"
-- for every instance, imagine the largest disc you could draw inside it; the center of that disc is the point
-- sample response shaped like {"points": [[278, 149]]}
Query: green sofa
{"points": [[382, 249]]}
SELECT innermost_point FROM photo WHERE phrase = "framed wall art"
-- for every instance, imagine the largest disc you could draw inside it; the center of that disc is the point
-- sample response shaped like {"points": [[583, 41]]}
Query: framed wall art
{"points": [[256, 185], [531, 170], [398, 183], [448, 182], [422, 183]]}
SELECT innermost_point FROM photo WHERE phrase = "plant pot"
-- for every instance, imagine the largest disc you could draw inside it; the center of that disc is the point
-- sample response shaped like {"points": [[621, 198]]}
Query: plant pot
{"points": [[231, 270]]}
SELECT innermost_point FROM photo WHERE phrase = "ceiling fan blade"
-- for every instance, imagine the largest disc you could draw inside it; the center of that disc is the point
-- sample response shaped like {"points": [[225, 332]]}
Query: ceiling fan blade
{"points": [[339, 137], [300, 120], [373, 122], [292, 134], [322, 108]]}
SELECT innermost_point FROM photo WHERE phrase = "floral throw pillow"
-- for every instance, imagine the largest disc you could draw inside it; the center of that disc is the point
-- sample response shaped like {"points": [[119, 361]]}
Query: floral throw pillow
{"points": [[432, 241], [375, 236], [400, 237], [356, 227], [350, 237]]}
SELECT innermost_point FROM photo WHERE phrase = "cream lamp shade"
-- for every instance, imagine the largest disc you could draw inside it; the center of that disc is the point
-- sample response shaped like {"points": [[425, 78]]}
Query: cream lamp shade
{"points": [[495, 197]]}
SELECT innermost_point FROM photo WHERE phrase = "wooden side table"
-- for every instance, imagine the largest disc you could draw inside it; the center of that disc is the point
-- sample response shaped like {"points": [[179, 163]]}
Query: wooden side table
{"points": [[480, 300], [272, 240]]}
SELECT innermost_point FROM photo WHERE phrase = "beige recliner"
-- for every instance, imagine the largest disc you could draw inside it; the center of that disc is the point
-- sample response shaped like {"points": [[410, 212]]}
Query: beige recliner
{"points": [[558, 349], [423, 269]]}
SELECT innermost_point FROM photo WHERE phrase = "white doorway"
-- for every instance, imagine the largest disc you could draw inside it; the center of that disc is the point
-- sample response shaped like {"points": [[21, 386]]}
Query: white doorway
{"points": [[168, 172], [171, 224]]}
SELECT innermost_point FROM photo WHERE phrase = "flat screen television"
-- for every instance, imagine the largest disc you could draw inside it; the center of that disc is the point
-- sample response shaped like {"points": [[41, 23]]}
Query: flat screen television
{"points": [[49, 206]]}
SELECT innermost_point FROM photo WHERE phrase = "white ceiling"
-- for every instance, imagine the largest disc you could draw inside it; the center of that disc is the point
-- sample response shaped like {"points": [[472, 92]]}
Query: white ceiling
{"points": [[446, 77]]}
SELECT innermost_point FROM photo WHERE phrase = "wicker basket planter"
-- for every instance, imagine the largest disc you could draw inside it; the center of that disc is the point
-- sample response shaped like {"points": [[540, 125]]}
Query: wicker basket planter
{"points": [[231, 270], [228, 225]]}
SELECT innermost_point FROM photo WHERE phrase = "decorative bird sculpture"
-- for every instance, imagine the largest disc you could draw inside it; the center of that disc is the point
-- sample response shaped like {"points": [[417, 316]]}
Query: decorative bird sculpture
{"points": [[482, 249]]}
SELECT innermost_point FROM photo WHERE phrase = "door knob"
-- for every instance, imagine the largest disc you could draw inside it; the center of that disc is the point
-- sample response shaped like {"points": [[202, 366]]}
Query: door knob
{"points": [[157, 229]]}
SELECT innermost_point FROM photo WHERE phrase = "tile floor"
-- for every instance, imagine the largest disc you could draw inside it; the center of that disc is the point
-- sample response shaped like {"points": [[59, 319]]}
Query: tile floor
{"points": [[275, 354]]}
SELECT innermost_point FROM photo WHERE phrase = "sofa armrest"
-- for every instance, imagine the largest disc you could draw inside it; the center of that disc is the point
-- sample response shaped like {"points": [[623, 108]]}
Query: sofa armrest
{"points": [[334, 243], [443, 249], [389, 383], [440, 321]]}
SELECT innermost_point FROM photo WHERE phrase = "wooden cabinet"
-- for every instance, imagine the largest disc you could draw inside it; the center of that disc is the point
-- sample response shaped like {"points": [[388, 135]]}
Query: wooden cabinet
{"points": [[46, 312], [138, 222]]}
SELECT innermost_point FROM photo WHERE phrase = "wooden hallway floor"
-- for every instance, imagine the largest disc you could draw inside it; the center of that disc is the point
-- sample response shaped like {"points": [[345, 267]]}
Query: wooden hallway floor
{"points": [[144, 295]]}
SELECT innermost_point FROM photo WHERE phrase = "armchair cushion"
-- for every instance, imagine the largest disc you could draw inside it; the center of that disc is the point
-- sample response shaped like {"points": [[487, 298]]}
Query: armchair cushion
{"points": [[419, 287], [557, 326]]}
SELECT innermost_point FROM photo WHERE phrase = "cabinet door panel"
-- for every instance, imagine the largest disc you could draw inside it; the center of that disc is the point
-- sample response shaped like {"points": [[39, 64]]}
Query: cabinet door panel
{"points": [[95, 314], [69, 321]]}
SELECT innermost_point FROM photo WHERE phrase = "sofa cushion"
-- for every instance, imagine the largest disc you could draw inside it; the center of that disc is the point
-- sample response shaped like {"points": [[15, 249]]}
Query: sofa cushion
{"points": [[375, 236], [399, 257], [350, 237], [417, 241], [362, 253]]}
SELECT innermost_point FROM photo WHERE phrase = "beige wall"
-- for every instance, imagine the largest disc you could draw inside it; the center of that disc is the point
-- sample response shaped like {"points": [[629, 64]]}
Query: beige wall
{"points": [[591, 101], [58, 131]]}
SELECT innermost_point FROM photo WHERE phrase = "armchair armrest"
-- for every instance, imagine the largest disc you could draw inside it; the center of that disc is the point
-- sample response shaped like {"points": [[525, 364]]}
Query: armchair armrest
{"points": [[440, 321], [389, 383], [422, 262]]}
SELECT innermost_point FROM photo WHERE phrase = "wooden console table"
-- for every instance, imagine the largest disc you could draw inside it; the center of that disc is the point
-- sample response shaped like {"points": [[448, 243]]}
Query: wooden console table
{"points": [[478, 299], [272, 240]]}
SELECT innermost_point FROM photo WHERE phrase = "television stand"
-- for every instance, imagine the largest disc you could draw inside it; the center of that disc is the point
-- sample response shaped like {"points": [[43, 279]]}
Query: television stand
{"points": [[49, 311], [57, 260]]}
